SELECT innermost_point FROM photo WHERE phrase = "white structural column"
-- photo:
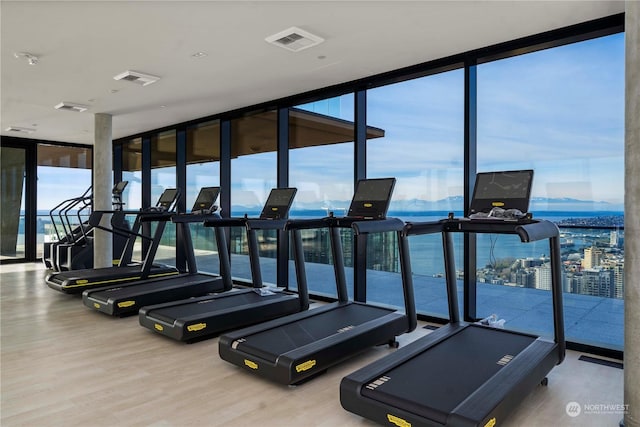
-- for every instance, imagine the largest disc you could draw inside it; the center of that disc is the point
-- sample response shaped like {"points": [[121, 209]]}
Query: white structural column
{"points": [[632, 216], [102, 185]]}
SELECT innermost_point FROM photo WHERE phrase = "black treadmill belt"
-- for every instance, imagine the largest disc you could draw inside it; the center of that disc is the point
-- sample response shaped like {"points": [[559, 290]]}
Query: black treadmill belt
{"points": [[433, 383], [271, 343], [109, 273], [134, 290], [211, 305]]}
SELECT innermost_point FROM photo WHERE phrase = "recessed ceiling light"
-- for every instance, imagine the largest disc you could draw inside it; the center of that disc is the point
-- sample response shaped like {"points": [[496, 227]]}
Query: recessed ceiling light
{"points": [[70, 106], [142, 79], [19, 129], [199, 54]]}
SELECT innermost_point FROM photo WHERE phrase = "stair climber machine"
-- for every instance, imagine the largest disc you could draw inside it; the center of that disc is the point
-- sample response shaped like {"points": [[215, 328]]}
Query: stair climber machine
{"points": [[76, 281], [126, 299], [74, 248], [79, 254], [63, 235]]}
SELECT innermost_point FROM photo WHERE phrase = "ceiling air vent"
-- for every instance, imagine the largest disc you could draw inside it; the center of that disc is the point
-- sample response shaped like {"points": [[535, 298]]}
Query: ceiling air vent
{"points": [[135, 77], [19, 129], [294, 39], [69, 106]]}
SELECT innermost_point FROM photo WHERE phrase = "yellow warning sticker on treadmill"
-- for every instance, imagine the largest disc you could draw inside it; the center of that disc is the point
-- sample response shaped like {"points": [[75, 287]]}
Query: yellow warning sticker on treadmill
{"points": [[398, 421], [125, 304], [96, 305], [497, 203], [82, 281], [196, 327], [274, 209], [491, 422], [305, 366], [368, 205], [158, 327], [249, 363]]}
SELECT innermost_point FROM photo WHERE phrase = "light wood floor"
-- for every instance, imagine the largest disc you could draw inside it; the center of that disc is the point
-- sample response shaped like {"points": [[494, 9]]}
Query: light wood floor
{"points": [[65, 365]]}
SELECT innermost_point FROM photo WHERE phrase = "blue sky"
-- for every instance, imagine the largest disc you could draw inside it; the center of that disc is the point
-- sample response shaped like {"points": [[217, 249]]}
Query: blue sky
{"points": [[559, 111]]}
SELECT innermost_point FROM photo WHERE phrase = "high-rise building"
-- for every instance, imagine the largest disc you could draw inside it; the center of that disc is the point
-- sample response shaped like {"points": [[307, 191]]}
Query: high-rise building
{"points": [[597, 282], [592, 257], [543, 277]]}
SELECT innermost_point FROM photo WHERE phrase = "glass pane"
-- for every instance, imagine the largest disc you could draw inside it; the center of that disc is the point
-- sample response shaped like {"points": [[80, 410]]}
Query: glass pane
{"points": [[203, 170], [419, 140], [163, 176], [63, 173], [253, 175], [560, 112], [321, 168], [132, 172], [12, 211]]}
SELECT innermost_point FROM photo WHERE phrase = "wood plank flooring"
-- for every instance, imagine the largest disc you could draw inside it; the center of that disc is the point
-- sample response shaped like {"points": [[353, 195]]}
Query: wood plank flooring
{"points": [[65, 365]]}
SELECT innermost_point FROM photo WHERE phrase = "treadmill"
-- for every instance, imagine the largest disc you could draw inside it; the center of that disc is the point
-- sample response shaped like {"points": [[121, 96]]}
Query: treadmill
{"points": [[127, 299], [296, 348], [76, 281], [462, 374], [204, 317]]}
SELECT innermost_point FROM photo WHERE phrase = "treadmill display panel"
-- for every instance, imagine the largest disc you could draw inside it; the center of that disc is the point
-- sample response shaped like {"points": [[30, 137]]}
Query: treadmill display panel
{"points": [[278, 203], [507, 190], [206, 199], [372, 198]]}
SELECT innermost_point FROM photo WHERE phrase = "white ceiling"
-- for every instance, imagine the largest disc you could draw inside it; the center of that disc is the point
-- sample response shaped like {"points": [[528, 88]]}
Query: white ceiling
{"points": [[81, 45]]}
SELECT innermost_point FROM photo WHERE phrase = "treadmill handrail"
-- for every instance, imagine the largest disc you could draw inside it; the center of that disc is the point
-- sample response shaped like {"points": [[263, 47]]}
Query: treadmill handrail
{"points": [[377, 226], [307, 223], [530, 231], [225, 222], [266, 224], [195, 217]]}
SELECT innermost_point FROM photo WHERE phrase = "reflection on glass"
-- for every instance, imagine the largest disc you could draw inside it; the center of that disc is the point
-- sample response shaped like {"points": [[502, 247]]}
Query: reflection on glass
{"points": [[560, 112], [422, 147], [203, 170], [163, 176], [63, 173], [132, 172], [12, 213], [253, 175], [321, 162]]}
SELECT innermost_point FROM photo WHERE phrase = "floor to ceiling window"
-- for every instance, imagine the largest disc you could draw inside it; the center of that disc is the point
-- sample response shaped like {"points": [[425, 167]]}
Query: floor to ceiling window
{"points": [[203, 170], [321, 168], [422, 144], [560, 112], [132, 173], [12, 211], [64, 172], [163, 176], [253, 175]]}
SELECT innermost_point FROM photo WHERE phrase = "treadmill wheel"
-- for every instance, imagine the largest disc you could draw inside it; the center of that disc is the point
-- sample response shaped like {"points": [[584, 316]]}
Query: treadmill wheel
{"points": [[545, 381]]}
